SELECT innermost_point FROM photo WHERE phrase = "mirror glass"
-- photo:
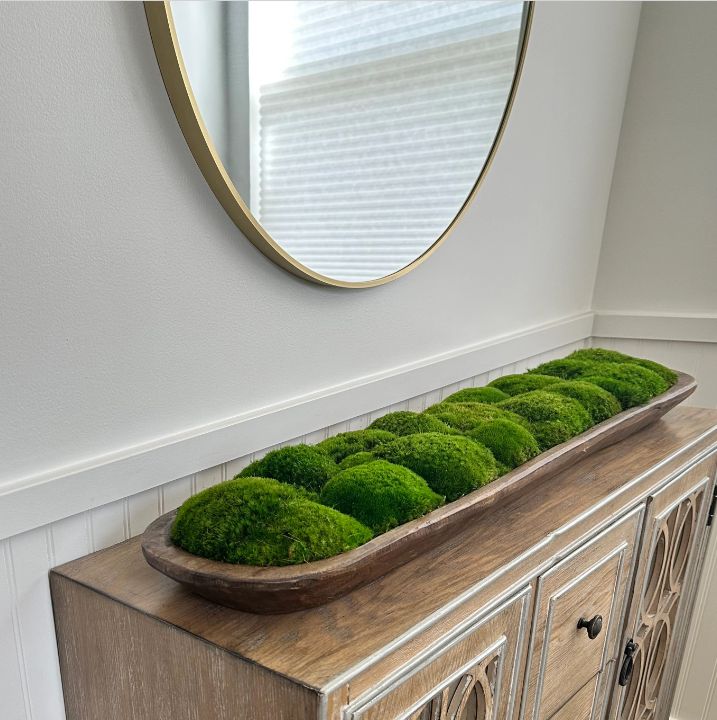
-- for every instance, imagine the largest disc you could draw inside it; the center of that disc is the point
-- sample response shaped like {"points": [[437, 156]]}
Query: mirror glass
{"points": [[355, 131]]}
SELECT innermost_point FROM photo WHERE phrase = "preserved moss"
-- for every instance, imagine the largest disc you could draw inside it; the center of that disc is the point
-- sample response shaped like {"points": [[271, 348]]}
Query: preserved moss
{"points": [[405, 422], [599, 403], [380, 495], [631, 384], [468, 416], [510, 443], [259, 521], [568, 368], [304, 466], [344, 444], [612, 356], [486, 394], [359, 458], [552, 418], [452, 465], [522, 383]]}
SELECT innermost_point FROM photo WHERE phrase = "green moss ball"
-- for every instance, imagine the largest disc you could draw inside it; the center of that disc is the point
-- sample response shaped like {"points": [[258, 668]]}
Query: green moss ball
{"points": [[359, 458], [636, 374], [344, 444], [259, 521], [468, 416], [602, 355], [405, 422], [304, 466], [452, 465], [567, 368], [479, 394], [525, 382], [599, 403], [380, 495], [552, 418], [631, 384], [510, 443]]}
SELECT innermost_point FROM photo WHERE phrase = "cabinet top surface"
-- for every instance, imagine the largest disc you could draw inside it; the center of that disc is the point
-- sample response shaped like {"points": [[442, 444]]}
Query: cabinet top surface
{"points": [[316, 646]]}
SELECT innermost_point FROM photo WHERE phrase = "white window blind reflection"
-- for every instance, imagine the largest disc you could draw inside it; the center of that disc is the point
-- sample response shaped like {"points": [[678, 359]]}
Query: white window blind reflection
{"points": [[373, 122]]}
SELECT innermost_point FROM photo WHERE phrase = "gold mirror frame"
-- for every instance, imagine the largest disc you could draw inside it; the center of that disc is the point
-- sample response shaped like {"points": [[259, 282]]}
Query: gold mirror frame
{"points": [[181, 96]]}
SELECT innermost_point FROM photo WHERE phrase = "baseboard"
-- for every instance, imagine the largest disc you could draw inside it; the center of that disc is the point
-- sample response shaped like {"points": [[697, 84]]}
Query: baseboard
{"points": [[681, 327], [36, 500]]}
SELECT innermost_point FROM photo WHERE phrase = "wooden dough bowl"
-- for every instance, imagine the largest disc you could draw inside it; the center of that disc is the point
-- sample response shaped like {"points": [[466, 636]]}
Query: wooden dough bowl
{"points": [[273, 590]]}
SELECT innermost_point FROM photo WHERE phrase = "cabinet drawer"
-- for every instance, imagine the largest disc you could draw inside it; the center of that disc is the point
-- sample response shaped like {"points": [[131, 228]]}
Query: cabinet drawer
{"points": [[590, 583], [580, 706], [471, 675]]}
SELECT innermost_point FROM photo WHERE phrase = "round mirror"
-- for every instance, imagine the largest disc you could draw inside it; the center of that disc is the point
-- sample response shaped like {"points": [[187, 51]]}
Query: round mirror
{"points": [[344, 137]]}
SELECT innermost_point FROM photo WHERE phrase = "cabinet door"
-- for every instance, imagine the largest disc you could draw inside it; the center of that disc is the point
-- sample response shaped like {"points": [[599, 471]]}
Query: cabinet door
{"points": [[579, 612], [472, 675], [581, 705], [672, 550]]}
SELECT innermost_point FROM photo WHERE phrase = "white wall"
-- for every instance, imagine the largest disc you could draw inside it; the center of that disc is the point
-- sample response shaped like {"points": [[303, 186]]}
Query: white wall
{"points": [[660, 249], [146, 344], [133, 310], [656, 290]]}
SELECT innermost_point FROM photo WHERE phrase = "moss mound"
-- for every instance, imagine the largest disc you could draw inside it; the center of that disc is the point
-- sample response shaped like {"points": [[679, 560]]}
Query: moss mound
{"points": [[304, 466], [567, 368], [525, 382], [259, 521], [451, 465], [477, 394], [344, 444], [631, 384], [405, 422], [359, 458], [552, 418], [380, 495], [599, 403], [612, 356], [468, 416], [510, 443]]}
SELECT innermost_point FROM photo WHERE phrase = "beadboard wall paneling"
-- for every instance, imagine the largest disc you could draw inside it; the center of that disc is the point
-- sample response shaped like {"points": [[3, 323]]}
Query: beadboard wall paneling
{"points": [[696, 691], [29, 674], [40, 499]]}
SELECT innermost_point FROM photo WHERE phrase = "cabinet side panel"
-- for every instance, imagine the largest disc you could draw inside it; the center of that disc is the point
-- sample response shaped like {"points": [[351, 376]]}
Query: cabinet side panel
{"points": [[119, 664]]}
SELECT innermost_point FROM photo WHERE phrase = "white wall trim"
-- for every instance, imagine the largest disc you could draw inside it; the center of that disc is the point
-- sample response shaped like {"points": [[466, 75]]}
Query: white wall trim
{"points": [[684, 327], [35, 500]]}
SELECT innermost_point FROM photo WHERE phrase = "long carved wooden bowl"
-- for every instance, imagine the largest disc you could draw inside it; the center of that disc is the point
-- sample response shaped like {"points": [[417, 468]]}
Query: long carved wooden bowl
{"points": [[273, 590]]}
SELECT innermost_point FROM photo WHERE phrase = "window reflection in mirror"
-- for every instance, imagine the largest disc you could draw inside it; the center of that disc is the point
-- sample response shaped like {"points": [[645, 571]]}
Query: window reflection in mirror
{"points": [[353, 130]]}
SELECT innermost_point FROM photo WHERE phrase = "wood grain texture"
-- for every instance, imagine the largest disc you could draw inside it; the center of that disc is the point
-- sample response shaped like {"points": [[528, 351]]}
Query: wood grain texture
{"points": [[472, 679], [274, 590], [580, 706], [592, 581], [347, 646], [135, 668]]}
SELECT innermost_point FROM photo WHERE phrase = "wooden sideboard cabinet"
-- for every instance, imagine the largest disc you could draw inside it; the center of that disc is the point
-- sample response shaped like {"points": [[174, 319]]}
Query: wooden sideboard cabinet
{"points": [[538, 610]]}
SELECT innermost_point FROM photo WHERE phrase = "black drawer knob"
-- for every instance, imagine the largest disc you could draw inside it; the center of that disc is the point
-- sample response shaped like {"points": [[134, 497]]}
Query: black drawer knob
{"points": [[593, 626]]}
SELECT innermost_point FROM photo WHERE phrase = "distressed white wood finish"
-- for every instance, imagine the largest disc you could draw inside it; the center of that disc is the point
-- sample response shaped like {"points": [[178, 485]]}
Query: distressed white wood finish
{"points": [[29, 676]]}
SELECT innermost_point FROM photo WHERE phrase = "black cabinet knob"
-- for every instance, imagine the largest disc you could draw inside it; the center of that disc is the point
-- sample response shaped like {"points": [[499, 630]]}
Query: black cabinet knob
{"points": [[593, 626]]}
